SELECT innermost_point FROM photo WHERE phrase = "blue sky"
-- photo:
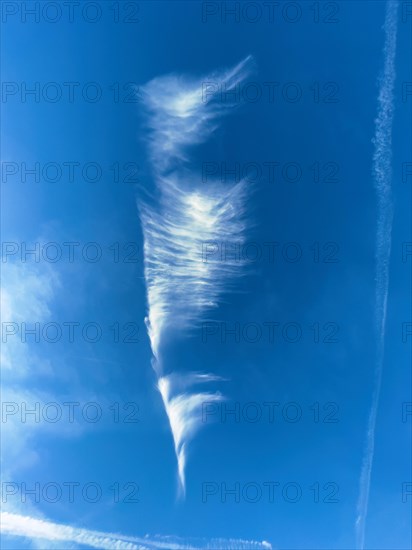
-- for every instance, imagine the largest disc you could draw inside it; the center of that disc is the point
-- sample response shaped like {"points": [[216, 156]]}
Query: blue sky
{"points": [[311, 300]]}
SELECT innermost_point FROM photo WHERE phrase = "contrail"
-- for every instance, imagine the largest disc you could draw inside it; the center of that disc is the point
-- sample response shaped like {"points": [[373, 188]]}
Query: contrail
{"points": [[185, 214], [17, 525], [382, 174]]}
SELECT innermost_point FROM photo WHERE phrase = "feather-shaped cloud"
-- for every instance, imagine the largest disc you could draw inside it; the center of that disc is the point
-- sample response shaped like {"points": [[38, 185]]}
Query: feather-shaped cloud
{"points": [[181, 286]]}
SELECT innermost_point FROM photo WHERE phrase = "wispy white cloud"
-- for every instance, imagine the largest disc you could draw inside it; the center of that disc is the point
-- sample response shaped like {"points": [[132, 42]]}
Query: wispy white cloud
{"points": [[186, 214], [32, 528], [184, 111], [382, 173], [26, 294], [49, 533], [181, 285], [30, 294], [184, 411]]}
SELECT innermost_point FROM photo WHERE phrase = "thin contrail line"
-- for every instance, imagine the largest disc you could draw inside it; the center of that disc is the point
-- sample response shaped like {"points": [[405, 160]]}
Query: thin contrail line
{"points": [[382, 174], [17, 525]]}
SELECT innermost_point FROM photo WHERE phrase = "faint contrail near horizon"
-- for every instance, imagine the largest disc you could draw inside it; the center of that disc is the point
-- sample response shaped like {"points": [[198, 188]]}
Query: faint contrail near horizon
{"points": [[382, 174], [27, 527], [184, 214]]}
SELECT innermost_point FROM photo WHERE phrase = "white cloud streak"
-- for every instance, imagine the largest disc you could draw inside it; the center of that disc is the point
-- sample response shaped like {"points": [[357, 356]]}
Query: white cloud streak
{"points": [[184, 111], [26, 294], [17, 525], [30, 293], [184, 411], [382, 173], [186, 214]]}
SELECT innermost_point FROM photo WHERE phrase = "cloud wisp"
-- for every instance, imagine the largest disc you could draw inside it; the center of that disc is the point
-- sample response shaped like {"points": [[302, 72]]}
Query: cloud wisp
{"points": [[186, 214], [17, 525], [382, 175]]}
